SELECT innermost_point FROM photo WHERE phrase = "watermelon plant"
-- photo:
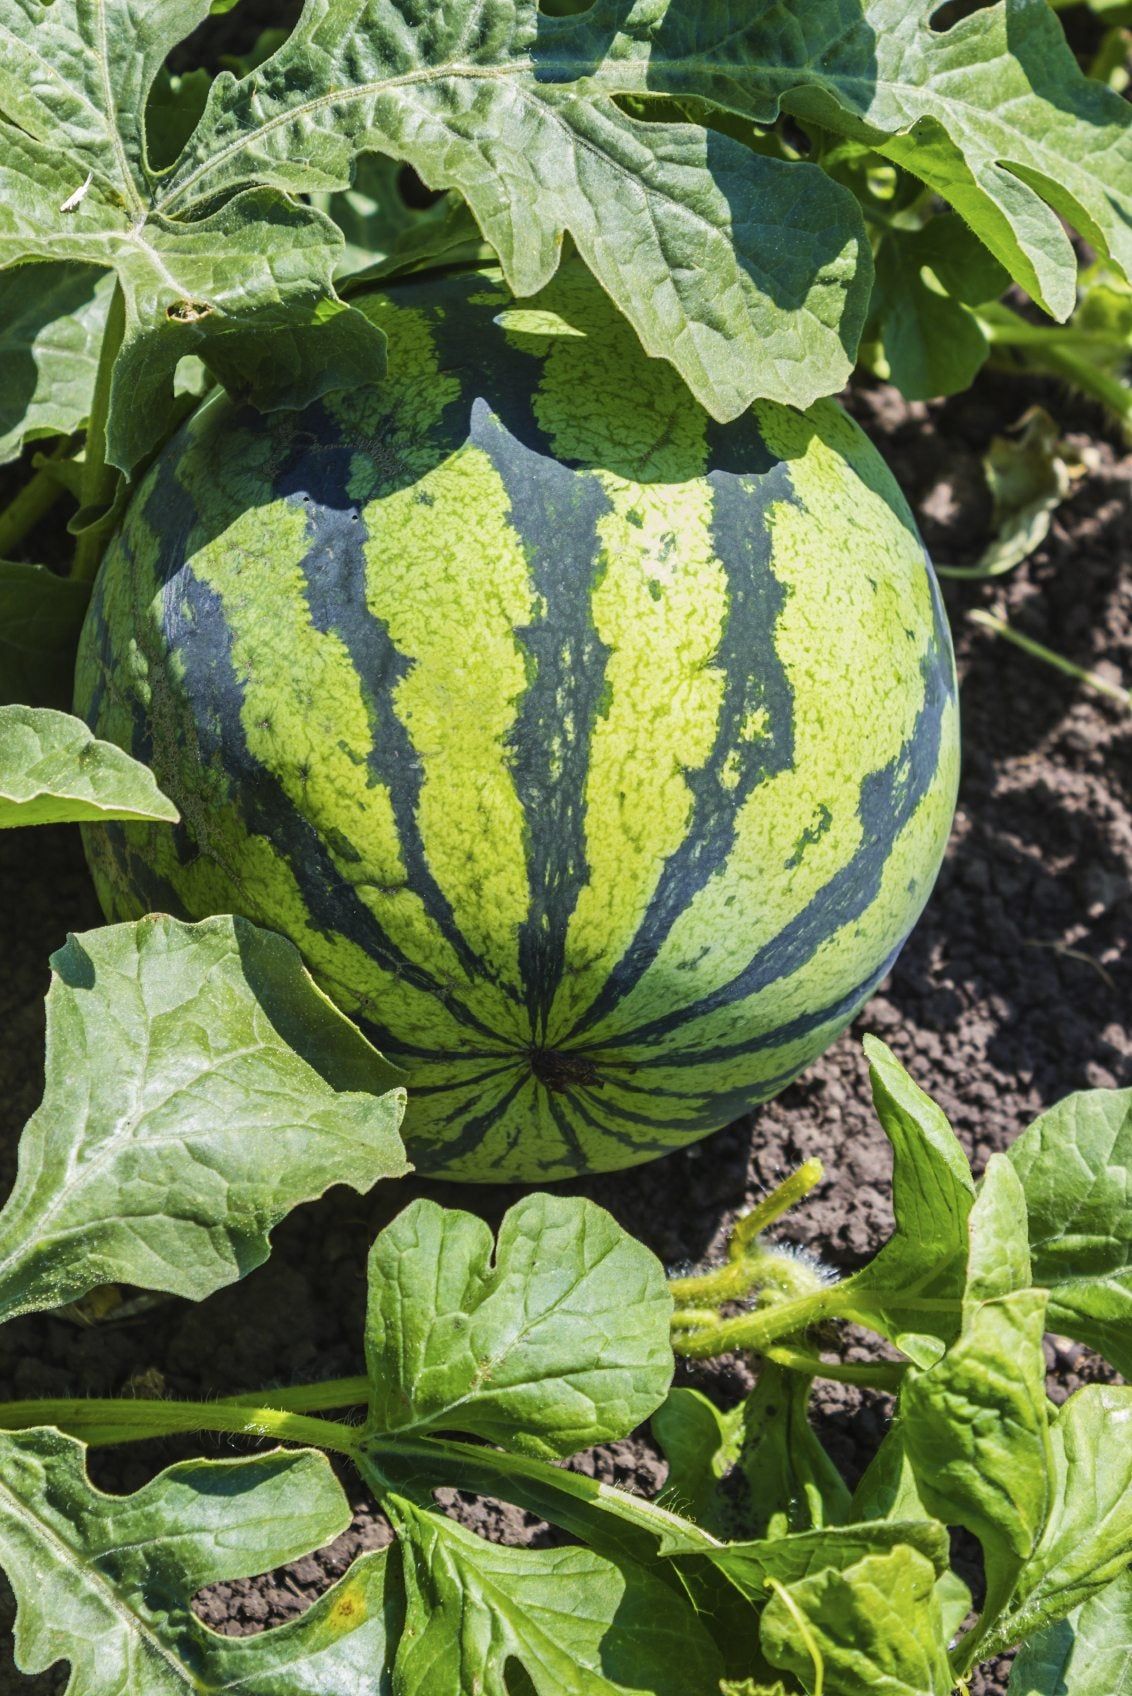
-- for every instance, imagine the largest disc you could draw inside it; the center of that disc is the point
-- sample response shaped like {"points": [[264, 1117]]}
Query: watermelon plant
{"points": [[512, 556], [756, 1570], [504, 671]]}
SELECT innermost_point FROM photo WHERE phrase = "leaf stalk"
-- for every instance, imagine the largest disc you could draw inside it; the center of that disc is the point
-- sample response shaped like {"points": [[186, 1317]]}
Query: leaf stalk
{"points": [[104, 1420], [1074, 355], [1037, 650], [99, 478], [321, 1397], [24, 511], [873, 1375], [444, 1458]]}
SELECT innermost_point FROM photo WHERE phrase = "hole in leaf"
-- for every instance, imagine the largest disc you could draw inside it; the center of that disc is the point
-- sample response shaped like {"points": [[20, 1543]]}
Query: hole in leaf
{"points": [[235, 40], [518, 1680], [234, 34], [245, 1606], [794, 135], [416, 195], [968, 1562], [954, 11], [188, 311]]}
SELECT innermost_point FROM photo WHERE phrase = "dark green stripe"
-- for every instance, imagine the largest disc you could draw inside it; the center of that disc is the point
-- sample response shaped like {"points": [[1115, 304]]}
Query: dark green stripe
{"points": [[573, 1152], [888, 800], [554, 512], [334, 566], [466, 1082], [792, 1031], [196, 629], [717, 1108], [754, 680], [467, 1141], [597, 1118], [493, 371]]}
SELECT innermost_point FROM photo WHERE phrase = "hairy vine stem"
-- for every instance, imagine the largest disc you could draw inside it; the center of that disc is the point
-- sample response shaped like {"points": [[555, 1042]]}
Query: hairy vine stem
{"points": [[756, 1331]]}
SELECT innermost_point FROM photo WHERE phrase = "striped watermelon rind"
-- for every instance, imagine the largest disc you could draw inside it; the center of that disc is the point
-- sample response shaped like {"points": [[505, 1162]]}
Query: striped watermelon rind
{"points": [[598, 757]]}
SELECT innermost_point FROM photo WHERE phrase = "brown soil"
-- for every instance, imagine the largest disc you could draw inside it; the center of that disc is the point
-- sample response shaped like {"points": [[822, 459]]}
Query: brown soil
{"points": [[1014, 990]]}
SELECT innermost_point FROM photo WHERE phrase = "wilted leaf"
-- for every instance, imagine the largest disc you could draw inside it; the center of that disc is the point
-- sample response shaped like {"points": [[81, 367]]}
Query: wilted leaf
{"points": [[1029, 474]]}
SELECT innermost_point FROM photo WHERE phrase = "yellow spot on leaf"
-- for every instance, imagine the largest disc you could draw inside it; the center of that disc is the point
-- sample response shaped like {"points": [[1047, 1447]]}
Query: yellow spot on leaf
{"points": [[349, 1611]]}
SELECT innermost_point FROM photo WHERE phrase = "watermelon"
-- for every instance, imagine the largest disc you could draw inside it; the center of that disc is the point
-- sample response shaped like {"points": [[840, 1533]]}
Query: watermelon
{"points": [[598, 757]]}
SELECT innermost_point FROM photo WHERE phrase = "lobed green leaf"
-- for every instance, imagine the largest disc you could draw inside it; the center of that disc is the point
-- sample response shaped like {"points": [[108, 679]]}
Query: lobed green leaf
{"points": [[1075, 1163], [912, 1291], [105, 1582], [802, 1554], [199, 1086], [1087, 1538], [54, 770], [577, 1624], [888, 1490], [1087, 1654], [998, 1262], [750, 272], [929, 343], [875, 1625], [975, 1428], [559, 1341], [993, 113], [51, 322]]}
